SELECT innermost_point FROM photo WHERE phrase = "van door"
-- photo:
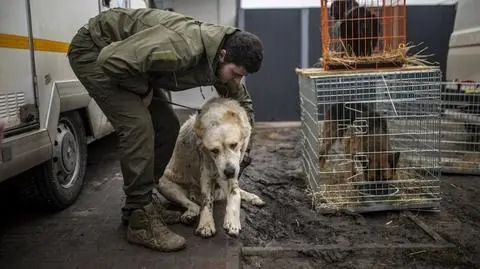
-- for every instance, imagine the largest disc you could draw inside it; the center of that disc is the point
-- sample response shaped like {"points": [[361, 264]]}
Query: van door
{"points": [[464, 47], [18, 98]]}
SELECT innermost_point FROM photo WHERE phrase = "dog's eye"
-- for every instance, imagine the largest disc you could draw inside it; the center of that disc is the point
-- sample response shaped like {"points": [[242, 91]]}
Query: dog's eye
{"points": [[215, 151], [233, 146]]}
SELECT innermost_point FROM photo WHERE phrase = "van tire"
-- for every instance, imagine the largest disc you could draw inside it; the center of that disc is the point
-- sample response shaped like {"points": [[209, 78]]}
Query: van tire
{"points": [[60, 181]]}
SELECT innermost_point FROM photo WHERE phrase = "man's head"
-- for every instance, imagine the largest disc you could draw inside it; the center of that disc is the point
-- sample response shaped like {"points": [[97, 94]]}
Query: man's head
{"points": [[241, 54]]}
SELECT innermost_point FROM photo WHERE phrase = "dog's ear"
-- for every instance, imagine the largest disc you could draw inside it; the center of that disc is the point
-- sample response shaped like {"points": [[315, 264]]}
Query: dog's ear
{"points": [[234, 117], [199, 129], [230, 116]]}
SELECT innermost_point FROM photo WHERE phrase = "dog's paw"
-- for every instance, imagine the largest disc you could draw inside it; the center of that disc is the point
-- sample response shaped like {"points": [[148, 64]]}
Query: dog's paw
{"points": [[252, 198], [231, 223], [206, 225], [206, 230], [257, 201], [190, 216], [232, 227]]}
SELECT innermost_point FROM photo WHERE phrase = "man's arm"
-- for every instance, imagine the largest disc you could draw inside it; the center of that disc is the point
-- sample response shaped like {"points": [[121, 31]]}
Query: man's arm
{"points": [[239, 92]]}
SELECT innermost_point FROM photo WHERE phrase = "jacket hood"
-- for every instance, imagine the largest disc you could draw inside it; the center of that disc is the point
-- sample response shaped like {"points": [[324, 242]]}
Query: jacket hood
{"points": [[213, 37]]}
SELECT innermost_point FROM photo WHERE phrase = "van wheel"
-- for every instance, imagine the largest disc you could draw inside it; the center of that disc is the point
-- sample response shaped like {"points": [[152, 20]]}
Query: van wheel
{"points": [[61, 179]]}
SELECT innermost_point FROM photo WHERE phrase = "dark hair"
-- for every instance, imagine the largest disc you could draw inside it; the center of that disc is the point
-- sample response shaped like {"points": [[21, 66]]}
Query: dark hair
{"points": [[244, 49], [340, 7]]}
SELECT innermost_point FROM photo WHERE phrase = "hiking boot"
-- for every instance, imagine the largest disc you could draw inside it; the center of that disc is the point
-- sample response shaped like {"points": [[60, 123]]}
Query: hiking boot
{"points": [[147, 228], [168, 216]]}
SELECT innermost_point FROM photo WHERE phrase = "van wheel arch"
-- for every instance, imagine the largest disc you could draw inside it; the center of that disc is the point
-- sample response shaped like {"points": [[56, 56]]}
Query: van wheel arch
{"points": [[60, 180]]}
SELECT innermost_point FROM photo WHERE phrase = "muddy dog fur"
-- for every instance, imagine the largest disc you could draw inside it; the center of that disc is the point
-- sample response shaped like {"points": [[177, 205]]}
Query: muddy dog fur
{"points": [[372, 140], [205, 166]]}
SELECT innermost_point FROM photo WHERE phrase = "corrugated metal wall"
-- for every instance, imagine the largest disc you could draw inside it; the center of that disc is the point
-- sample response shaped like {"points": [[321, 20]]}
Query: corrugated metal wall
{"points": [[274, 89]]}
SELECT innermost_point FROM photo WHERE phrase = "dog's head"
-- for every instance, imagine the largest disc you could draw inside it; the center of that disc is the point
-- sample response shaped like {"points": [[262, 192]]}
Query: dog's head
{"points": [[223, 131]]}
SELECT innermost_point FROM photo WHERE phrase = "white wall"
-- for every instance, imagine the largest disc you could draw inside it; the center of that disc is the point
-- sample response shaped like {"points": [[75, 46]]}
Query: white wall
{"points": [[138, 4]]}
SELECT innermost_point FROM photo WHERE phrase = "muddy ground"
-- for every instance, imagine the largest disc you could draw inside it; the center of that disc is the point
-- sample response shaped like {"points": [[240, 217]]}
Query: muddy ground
{"points": [[288, 219]]}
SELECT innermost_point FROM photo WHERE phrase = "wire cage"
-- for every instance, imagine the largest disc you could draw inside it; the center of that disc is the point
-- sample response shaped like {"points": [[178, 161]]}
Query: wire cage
{"points": [[371, 138], [460, 124], [363, 33]]}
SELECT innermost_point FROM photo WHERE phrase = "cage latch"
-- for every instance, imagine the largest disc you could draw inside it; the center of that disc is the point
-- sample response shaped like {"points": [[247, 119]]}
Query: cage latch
{"points": [[359, 127], [360, 161]]}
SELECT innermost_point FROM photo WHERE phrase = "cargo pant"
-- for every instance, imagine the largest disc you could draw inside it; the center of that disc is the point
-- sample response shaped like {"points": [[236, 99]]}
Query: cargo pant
{"points": [[146, 135]]}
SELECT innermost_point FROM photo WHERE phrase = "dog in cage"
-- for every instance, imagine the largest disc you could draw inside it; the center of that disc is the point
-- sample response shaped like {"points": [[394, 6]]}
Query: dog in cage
{"points": [[356, 26], [366, 141]]}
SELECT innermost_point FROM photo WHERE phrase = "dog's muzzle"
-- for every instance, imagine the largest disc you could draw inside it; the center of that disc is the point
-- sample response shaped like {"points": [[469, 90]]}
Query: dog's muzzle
{"points": [[229, 171]]}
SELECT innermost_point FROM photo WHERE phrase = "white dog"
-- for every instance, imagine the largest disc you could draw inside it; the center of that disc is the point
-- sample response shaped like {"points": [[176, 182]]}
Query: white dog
{"points": [[205, 164]]}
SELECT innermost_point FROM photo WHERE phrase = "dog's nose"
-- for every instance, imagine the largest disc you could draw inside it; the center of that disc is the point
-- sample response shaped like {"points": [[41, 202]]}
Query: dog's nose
{"points": [[229, 171]]}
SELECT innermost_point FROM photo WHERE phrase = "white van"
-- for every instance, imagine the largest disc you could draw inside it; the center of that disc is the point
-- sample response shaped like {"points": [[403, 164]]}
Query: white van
{"points": [[464, 49], [49, 116], [461, 98]]}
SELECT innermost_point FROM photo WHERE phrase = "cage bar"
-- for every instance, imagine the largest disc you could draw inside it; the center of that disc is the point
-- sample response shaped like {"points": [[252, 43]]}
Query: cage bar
{"points": [[363, 33], [460, 147]]}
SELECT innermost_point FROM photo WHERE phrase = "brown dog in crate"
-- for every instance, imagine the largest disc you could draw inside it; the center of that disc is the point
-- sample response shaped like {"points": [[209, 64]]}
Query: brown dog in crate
{"points": [[367, 144]]}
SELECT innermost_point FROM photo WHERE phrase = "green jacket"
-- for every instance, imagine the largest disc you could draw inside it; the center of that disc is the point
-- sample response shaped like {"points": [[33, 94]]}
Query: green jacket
{"points": [[144, 48]]}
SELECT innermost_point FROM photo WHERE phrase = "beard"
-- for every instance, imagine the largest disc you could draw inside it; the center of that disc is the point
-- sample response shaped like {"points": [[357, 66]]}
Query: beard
{"points": [[219, 72]]}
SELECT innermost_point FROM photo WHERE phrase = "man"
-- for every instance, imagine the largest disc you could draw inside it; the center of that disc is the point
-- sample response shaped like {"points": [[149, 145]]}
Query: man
{"points": [[119, 56]]}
